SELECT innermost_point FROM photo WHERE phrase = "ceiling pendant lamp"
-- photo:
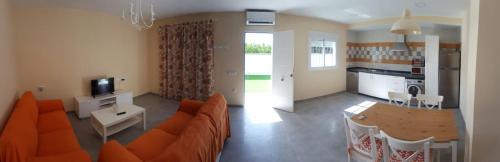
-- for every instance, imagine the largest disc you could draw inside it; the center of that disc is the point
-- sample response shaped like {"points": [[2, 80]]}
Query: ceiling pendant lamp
{"points": [[405, 25]]}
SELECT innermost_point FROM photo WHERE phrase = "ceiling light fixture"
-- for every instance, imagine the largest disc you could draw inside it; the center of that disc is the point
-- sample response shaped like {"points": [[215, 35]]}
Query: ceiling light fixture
{"points": [[406, 25], [136, 16]]}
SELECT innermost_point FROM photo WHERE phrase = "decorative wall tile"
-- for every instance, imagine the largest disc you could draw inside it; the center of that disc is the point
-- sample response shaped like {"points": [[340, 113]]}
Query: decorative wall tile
{"points": [[380, 52]]}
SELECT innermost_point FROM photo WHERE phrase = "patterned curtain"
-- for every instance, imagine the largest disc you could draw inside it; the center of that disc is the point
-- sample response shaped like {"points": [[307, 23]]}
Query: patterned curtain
{"points": [[187, 60]]}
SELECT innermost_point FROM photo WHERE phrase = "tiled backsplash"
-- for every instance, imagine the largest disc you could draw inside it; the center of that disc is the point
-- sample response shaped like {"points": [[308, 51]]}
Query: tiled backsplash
{"points": [[381, 53]]}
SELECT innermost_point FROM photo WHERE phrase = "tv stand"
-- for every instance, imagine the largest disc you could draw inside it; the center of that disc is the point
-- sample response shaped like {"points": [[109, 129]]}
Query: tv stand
{"points": [[110, 93], [86, 104]]}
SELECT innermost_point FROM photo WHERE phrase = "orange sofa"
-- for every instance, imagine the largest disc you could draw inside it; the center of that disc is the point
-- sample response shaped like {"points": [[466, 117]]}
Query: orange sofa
{"points": [[39, 131], [196, 133]]}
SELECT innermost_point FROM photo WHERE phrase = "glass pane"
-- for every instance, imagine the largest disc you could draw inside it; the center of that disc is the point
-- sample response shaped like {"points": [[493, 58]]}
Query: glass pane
{"points": [[317, 60], [316, 50], [330, 54], [316, 47], [328, 50], [329, 44], [316, 43], [329, 60]]}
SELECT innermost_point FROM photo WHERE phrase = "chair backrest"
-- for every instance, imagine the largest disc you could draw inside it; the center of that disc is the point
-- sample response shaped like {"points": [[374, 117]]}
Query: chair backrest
{"points": [[356, 132], [399, 99], [405, 151], [430, 102]]}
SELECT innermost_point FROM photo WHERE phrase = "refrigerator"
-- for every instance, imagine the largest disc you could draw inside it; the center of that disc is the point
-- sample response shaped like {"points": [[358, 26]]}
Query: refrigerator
{"points": [[449, 77]]}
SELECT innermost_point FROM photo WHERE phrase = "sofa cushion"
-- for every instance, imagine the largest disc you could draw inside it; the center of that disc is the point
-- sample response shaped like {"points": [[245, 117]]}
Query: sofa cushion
{"points": [[196, 143], [151, 144], [52, 121], [28, 102], [176, 124], [45, 106], [57, 142], [19, 137], [190, 106]]}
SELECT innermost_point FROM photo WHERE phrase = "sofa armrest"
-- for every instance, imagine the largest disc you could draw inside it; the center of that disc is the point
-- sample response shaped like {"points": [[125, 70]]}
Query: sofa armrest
{"points": [[190, 106], [49, 105], [112, 151], [75, 156]]}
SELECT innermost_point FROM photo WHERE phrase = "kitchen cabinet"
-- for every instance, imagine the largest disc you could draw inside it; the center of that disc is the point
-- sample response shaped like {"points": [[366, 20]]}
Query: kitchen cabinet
{"points": [[364, 83], [379, 86], [396, 84]]}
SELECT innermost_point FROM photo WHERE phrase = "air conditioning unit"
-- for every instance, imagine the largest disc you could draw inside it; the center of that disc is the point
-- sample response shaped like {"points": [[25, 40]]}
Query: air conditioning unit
{"points": [[261, 17]]}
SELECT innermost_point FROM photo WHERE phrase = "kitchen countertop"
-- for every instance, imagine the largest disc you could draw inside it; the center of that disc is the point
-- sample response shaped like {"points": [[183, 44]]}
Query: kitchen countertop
{"points": [[405, 74]]}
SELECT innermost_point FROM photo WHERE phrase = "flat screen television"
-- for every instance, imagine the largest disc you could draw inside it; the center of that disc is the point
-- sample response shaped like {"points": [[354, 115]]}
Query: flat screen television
{"points": [[102, 86]]}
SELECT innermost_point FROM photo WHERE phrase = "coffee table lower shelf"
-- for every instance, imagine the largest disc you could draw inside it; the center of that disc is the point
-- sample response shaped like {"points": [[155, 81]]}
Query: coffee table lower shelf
{"points": [[116, 128]]}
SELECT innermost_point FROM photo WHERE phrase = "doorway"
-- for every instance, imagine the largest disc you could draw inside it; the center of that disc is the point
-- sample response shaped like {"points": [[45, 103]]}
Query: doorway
{"points": [[258, 70]]}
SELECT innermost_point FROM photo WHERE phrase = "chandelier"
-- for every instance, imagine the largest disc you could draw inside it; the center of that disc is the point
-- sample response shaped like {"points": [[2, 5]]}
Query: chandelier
{"points": [[136, 16]]}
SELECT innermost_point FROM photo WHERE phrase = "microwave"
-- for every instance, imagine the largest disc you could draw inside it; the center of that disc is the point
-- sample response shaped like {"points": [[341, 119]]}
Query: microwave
{"points": [[417, 70]]}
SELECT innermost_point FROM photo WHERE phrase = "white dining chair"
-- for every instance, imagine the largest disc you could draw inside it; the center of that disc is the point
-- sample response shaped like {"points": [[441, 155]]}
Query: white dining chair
{"points": [[399, 99], [363, 142], [430, 102], [397, 150]]}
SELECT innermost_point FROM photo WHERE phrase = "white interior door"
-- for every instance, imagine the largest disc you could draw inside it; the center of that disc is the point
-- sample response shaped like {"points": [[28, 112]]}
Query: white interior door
{"points": [[282, 78]]}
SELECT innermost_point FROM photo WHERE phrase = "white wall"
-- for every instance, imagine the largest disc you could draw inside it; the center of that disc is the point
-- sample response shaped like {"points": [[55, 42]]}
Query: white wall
{"points": [[63, 49], [8, 77], [483, 36], [352, 36], [467, 75], [481, 84]]}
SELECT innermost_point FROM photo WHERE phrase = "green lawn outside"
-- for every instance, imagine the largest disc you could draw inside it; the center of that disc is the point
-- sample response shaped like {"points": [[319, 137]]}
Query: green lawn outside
{"points": [[257, 77], [257, 83]]}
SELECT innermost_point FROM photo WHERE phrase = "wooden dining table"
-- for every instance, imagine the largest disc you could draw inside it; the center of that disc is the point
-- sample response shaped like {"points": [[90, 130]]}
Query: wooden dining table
{"points": [[413, 124]]}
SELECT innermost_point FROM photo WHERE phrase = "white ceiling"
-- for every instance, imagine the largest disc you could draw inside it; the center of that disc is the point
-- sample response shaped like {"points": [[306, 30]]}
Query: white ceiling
{"points": [[345, 11]]}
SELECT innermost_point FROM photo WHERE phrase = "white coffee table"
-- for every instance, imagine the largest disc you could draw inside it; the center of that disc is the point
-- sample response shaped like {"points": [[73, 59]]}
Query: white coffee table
{"points": [[106, 122]]}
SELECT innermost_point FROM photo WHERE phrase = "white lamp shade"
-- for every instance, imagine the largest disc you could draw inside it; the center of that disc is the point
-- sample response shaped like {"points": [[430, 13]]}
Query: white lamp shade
{"points": [[406, 25]]}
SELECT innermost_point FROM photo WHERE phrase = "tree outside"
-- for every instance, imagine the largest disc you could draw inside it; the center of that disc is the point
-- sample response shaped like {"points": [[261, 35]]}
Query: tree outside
{"points": [[258, 49]]}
